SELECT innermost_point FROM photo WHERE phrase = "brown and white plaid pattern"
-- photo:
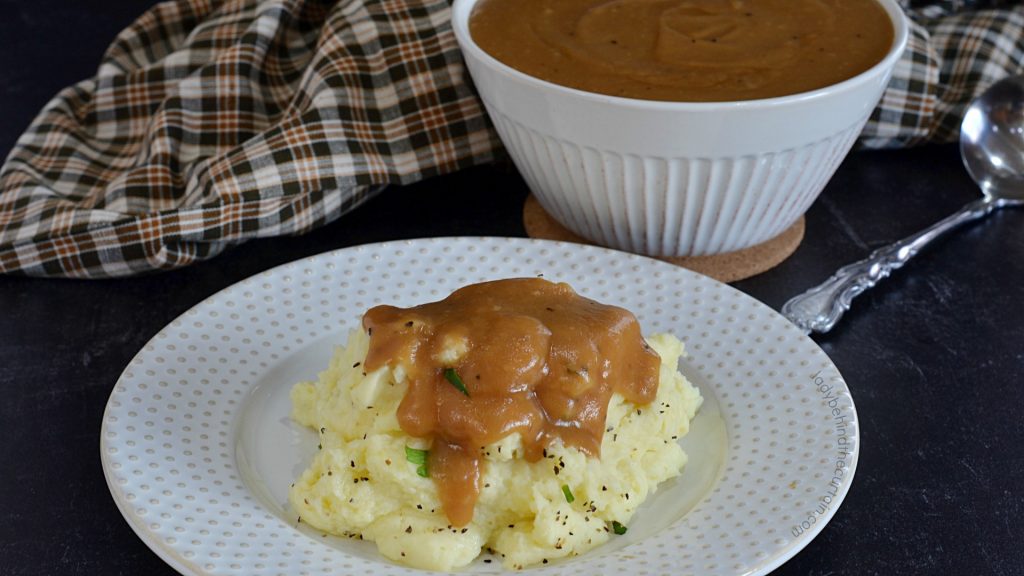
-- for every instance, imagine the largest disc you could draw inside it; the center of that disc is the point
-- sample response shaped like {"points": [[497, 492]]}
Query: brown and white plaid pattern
{"points": [[957, 49], [209, 123]]}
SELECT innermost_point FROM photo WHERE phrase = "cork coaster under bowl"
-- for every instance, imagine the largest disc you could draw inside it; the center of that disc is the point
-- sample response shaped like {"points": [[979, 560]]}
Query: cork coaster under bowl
{"points": [[725, 267]]}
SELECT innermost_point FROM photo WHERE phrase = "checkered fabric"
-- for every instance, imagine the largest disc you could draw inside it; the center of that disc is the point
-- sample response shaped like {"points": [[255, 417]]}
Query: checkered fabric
{"points": [[209, 123], [957, 48]]}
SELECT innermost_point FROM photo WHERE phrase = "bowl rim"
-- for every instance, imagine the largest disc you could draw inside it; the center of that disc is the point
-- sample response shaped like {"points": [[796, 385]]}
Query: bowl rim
{"points": [[462, 9]]}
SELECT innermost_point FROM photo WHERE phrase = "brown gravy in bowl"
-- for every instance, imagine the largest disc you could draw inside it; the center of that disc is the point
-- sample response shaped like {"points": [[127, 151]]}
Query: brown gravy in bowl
{"points": [[685, 50], [534, 358]]}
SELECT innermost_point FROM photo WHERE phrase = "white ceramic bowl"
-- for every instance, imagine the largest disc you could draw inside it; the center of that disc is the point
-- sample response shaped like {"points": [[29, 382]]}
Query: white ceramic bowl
{"points": [[674, 178]]}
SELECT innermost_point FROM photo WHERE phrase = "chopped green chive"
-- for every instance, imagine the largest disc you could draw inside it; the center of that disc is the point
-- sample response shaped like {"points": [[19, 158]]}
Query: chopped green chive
{"points": [[619, 529], [415, 455], [568, 494], [452, 376], [418, 457]]}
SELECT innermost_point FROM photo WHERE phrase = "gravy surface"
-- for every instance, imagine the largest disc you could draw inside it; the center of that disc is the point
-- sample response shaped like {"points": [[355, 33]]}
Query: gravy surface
{"points": [[685, 50], [534, 358]]}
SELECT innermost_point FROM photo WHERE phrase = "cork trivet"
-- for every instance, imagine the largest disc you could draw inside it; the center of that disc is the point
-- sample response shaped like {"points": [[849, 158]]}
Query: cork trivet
{"points": [[726, 267]]}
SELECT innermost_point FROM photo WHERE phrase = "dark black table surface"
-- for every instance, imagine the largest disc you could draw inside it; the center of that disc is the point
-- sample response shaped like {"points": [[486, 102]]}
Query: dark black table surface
{"points": [[934, 356]]}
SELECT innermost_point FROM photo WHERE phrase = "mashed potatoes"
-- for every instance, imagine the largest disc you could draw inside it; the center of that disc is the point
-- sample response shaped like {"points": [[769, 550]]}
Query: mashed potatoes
{"points": [[360, 484]]}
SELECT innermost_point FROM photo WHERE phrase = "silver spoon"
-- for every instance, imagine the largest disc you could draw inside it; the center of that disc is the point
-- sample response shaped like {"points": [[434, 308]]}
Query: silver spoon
{"points": [[992, 148]]}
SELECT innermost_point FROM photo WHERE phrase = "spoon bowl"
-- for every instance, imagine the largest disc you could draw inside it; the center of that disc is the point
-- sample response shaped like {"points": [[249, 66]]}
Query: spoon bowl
{"points": [[992, 148], [992, 139]]}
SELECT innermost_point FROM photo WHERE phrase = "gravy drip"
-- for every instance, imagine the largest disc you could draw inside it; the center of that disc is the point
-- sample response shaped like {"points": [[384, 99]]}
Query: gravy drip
{"points": [[535, 358]]}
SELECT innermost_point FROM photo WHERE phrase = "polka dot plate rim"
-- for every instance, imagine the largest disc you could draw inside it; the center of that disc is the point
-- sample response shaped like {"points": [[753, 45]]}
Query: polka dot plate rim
{"points": [[194, 429]]}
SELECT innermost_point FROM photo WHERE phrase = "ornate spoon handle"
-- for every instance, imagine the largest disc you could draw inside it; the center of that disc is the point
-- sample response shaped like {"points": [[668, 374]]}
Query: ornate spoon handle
{"points": [[818, 309]]}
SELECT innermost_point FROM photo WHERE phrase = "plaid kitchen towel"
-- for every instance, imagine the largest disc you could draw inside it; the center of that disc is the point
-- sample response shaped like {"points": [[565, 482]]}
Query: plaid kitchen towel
{"points": [[957, 48], [209, 123]]}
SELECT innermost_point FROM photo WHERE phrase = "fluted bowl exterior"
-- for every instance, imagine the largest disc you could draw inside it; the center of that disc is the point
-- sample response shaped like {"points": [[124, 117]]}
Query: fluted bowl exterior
{"points": [[674, 178]]}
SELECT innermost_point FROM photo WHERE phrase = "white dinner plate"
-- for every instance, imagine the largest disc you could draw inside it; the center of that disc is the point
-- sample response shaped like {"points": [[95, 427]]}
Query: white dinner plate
{"points": [[198, 449]]}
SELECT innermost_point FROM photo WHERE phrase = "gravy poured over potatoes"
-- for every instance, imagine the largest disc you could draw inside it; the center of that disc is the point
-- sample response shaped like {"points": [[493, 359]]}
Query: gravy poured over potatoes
{"points": [[514, 416], [538, 360], [686, 50]]}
